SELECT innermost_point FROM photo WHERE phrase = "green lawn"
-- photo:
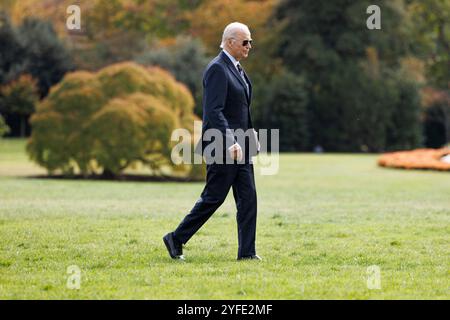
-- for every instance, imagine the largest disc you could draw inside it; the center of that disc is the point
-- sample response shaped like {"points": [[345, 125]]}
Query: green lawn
{"points": [[323, 220]]}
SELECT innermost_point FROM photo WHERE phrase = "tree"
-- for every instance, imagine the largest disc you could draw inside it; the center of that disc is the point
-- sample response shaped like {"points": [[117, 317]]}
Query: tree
{"points": [[7, 4], [253, 13], [208, 21], [19, 99], [111, 30], [53, 11], [107, 121], [4, 129], [432, 44], [351, 72], [405, 130], [11, 50], [282, 106], [316, 36], [186, 60], [436, 116], [32, 48], [431, 21], [46, 58]]}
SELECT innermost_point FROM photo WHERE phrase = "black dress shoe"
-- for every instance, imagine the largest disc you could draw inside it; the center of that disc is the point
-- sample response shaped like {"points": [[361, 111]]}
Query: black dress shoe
{"points": [[174, 247], [253, 257]]}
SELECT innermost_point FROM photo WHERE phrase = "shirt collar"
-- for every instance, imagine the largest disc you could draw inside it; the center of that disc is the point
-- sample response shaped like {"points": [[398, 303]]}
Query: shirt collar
{"points": [[235, 62]]}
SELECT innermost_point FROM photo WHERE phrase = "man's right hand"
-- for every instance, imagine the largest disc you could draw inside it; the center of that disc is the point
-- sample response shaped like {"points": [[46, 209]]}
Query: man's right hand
{"points": [[235, 152]]}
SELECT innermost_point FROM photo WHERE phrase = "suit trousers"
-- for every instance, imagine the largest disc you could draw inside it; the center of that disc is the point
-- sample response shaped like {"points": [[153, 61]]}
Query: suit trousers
{"points": [[219, 179]]}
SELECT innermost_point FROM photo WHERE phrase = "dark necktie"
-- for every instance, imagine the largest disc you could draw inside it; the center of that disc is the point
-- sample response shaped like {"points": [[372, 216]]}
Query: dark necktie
{"points": [[241, 72]]}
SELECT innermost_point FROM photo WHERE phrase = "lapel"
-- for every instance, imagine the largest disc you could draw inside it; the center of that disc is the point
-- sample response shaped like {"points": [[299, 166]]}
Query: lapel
{"points": [[238, 76]]}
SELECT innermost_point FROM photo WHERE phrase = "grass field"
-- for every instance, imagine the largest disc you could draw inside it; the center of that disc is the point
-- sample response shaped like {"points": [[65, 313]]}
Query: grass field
{"points": [[322, 221]]}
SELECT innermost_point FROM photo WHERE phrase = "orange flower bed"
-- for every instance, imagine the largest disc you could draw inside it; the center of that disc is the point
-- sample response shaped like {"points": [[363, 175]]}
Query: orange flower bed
{"points": [[416, 159]]}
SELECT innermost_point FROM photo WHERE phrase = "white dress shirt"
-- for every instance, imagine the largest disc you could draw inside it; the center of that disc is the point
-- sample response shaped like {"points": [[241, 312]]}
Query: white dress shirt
{"points": [[235, 62]]}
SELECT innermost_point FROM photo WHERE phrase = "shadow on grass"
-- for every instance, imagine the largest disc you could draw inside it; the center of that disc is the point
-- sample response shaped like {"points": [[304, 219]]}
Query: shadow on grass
{"points": [[123, 177], [201, 260]]}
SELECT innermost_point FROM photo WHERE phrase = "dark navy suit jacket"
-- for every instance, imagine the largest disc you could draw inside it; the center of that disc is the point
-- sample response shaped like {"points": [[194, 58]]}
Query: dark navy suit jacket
{"points": [[226, 104]]}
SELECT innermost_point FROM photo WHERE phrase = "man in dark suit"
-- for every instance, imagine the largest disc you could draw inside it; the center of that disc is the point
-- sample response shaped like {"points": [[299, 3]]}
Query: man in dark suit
{"points": [[226, 101]]}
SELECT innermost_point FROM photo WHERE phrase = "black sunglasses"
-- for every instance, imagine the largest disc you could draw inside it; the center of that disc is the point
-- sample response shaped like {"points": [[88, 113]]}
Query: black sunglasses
{"points": [[245, 42]]}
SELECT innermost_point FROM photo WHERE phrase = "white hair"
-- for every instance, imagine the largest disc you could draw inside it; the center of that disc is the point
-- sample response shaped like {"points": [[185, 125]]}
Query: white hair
{"points": [[230, 31]]}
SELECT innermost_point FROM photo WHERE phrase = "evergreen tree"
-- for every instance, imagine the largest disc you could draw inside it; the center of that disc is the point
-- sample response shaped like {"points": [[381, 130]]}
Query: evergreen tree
{"points": [[46, 58], [351, 71], [11, 51]]}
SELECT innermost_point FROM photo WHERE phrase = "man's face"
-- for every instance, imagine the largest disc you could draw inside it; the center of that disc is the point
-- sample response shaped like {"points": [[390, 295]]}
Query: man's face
{"points": [[238, 50]]}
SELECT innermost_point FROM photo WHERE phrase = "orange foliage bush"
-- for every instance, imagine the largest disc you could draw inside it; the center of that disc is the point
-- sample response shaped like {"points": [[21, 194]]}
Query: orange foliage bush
{"points": [[416, 159], [107, 121]]}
